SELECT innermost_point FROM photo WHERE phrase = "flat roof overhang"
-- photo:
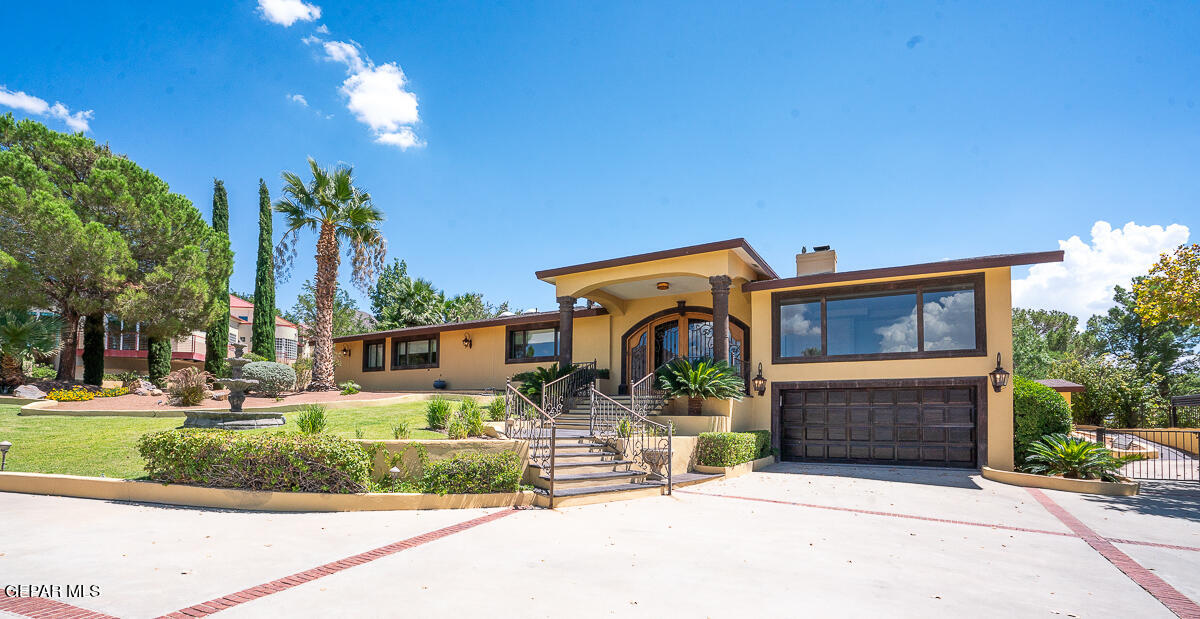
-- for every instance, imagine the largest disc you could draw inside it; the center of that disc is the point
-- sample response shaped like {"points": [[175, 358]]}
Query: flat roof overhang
{"points": [[515, 319], [925, 268]]}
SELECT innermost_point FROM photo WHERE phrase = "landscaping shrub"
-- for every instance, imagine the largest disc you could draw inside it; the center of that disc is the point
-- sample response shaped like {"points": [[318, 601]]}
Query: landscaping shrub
{"points": [[277, 461], [701, 378], [311, 419], [473, 473], [495, 409], [273, 378], [437, 413], [472, 417], [456, 428], [74, 394], [187, 386], [1073, 458], [732, 448], [42, 372], [402, 429], [1038, 410], [112, 392], [350, 387], [303, 367]]}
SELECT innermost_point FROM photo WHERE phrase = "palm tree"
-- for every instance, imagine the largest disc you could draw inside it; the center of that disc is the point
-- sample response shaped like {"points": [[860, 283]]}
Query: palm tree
{"points": [[23, 335], [337, 211]]}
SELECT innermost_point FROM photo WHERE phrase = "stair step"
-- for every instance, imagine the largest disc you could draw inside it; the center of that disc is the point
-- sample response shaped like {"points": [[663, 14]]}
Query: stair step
{"points": [[565, 492], [587, 479], [585, 454], [573, 465]]}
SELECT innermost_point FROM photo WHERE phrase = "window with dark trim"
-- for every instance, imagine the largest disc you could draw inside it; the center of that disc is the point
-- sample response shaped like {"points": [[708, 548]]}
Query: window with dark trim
{"points": [[532, 344], [899, 320], [413, 354], [374, 353]]}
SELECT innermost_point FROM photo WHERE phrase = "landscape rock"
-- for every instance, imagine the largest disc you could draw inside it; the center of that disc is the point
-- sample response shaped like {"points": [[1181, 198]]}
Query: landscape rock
{"points": [[219, 396], [142, 384], [29, 392], [156, 392], [141, 391]]}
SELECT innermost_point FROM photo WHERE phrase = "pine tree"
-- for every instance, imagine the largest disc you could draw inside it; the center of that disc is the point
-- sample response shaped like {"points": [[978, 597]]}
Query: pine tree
{"points": [[262, 337], [217, 337], [93, 348]]}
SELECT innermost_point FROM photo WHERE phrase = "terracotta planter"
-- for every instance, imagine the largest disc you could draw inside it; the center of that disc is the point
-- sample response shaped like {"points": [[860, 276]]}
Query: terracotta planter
{"points": [[694, 405]]}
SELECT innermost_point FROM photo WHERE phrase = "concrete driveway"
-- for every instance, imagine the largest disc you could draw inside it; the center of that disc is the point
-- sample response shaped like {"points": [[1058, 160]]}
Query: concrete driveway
{"points": [[795, 539]]}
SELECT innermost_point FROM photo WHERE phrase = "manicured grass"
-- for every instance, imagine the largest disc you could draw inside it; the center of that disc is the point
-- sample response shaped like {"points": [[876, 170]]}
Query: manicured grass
{"points": [[96, 446]]}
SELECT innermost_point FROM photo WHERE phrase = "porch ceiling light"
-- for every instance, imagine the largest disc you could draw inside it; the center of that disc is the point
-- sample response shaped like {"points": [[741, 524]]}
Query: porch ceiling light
{"points": [[663, 285], [999, 376], [467, 343], [760, 383]]}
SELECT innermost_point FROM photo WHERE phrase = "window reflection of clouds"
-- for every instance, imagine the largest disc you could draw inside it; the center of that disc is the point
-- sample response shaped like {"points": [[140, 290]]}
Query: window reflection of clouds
{"points": [[800, 329], [950, 320], [871, 325]]}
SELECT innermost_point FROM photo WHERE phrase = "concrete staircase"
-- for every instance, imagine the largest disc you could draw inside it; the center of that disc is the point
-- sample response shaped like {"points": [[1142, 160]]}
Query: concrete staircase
{"points": [[585, 472]]}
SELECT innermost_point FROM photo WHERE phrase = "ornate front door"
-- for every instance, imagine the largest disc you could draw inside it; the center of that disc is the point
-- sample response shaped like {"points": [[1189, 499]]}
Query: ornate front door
{"points": [[688, 335]]}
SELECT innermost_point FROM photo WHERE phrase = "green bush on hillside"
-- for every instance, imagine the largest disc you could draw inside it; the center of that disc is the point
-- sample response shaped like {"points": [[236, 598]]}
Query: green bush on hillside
{"points": [[1038, 411]]}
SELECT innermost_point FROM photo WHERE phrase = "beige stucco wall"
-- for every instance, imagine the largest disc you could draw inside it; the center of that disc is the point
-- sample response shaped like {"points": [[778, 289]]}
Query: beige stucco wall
{"points": [[755, 413]]}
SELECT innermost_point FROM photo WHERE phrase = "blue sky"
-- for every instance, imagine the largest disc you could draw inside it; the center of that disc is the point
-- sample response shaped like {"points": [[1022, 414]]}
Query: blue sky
{"points": [[555, 133]]}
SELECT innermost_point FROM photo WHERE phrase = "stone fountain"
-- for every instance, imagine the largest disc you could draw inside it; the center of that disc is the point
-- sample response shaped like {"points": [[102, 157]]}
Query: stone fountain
{"points": [[235, 418]]}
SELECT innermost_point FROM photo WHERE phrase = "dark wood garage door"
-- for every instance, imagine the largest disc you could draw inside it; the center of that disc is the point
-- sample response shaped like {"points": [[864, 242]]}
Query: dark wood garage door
{"points": [[929, 426]]}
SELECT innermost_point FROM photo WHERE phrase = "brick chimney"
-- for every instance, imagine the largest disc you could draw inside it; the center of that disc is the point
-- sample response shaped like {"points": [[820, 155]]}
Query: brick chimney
{"points": [[821, 259]]}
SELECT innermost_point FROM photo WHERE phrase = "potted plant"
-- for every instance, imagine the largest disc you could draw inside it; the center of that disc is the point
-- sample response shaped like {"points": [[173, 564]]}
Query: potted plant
{"points": [[698, 379], [439, 384]]}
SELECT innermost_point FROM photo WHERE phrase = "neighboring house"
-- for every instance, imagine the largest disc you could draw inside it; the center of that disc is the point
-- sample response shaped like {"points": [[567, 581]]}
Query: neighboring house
{"points": [[1064, 387], [125, 346], [241, 325], [887, 365]]}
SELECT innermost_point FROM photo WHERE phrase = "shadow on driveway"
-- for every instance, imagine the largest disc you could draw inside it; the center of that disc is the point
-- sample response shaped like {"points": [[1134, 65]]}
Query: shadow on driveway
{"points": [[925, 476], [1171, 499]]}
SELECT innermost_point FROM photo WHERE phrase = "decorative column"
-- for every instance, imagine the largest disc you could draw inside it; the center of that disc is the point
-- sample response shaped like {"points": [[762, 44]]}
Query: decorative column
{"points": [[720, 305], [566, 320]]}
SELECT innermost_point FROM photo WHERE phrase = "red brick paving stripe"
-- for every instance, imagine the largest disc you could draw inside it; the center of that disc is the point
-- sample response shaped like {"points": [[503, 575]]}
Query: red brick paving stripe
{"points": [[1169, 596], [299, 578], [45, 607], [879, 513], [1152, 544]]}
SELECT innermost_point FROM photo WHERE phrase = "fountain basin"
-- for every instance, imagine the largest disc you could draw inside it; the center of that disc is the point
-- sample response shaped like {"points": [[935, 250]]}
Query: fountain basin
{"points": [[229, 420]]}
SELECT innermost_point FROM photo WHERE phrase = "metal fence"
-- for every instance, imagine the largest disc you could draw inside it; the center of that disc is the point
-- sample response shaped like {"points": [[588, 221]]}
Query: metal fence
{"points": [[1161, 454]]}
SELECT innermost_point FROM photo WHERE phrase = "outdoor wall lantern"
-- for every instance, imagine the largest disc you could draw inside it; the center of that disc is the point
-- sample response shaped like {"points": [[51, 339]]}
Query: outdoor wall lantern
{"points": [[663, 285], [345, 351], [4, 445], [999, 376], [467, 343], [760, 383]]}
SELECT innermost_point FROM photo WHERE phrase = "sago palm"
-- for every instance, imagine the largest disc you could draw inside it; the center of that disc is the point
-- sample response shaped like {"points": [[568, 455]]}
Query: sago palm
{"points": [[1072, 457], [331, 206], [700, 378], [23, 335]]}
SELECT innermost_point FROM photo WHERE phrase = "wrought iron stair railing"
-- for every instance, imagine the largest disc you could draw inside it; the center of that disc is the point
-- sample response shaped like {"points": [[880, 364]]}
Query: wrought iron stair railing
{"points": [[558, 394], [526, 421], [647, 444], [644, 397]]}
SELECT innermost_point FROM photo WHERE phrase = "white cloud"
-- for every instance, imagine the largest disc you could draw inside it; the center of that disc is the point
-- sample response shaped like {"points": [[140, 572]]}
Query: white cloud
{"points": [[404, 138], [1082, 284], [298, 99], [20, 100], [348, 54], [288, 12], [323, 29]]}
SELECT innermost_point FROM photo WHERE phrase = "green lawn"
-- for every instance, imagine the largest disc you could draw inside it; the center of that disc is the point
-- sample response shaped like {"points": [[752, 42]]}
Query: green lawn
{"points": [[105, 446]]}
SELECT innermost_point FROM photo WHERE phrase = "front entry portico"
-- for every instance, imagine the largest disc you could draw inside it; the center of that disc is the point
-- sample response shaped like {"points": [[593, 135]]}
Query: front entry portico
{"points": [[682, 331]]}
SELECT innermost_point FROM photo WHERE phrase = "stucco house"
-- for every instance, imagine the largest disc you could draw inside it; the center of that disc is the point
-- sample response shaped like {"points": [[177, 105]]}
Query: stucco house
{"points": [[886, 365]]}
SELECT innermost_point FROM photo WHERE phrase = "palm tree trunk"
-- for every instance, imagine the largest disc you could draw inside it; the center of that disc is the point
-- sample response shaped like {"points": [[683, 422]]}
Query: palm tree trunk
{"points": [[11, 372], [70, 340], [326, 286]]}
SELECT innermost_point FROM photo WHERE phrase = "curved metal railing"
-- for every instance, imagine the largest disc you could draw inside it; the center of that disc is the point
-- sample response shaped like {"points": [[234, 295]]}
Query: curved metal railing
{"points": [[648, 444], [526, 421], [645, 397], [557, 394]]}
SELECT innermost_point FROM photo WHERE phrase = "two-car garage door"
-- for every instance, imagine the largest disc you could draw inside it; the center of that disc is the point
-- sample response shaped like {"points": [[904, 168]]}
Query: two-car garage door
{"points": [[919, 425]]}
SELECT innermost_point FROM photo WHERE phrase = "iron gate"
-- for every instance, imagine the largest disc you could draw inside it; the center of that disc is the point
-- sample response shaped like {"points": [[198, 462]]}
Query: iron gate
{"points": [[1164, 454]]}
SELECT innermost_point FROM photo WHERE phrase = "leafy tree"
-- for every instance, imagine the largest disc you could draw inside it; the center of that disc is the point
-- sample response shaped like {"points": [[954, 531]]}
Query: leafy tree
{"points": [[1038, 410], [61, 261], [1031, 355], [1163, 350], [399, 300], [1114, 394], [158, 359], [262, 336], [338, 211], [347, 319], [23, 335], [217, 337], [1171, 291]]}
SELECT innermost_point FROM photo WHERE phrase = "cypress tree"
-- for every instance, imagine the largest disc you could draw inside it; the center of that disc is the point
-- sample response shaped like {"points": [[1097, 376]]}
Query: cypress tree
{"points": [[262, 337], [158, 358], [93, 349], [217, 336]]}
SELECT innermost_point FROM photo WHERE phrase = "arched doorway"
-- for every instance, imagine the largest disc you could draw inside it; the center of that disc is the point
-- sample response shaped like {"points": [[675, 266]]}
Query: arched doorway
{"points": [[678, 332]]}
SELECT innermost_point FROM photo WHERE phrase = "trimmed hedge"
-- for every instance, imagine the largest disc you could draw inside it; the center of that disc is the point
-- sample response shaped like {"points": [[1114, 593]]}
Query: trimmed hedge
{"points": [[732, 448], [1038, 410], [473, 473], [273, 378], [278, 461]]}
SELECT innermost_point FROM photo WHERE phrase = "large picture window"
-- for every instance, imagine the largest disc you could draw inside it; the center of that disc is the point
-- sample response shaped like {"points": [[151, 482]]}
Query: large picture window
{"points": [[413, 354], [532, 344], [373, 355], [933, 318]]}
